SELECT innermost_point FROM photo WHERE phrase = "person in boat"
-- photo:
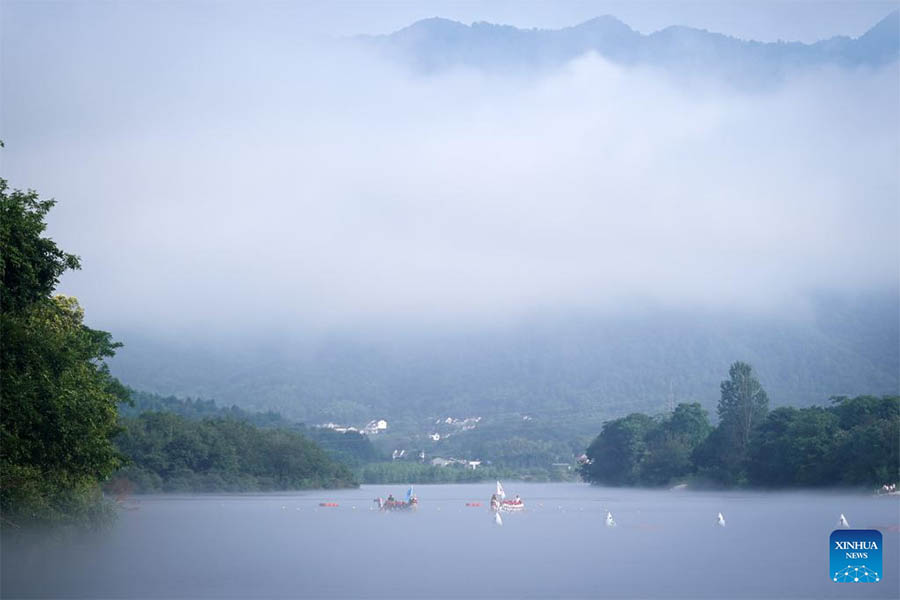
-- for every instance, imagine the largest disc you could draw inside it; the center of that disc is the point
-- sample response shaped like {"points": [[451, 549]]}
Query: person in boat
{"points": [[390, 498], [518, 500]]}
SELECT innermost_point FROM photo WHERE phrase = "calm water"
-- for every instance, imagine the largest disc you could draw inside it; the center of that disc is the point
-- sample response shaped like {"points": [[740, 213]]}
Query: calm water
{"points": [[666, 544]]}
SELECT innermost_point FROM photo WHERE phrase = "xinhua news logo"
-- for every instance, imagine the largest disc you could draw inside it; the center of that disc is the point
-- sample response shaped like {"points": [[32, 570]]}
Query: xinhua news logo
{"points": [[855, 556]]}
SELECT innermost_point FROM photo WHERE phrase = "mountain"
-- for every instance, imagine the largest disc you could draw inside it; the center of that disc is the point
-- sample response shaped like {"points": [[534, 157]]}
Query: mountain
{"points": [[574, 368], [436, 44]]}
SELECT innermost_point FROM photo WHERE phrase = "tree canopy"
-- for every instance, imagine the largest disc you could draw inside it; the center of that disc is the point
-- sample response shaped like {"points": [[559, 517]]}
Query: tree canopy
{"points": [[173, 454], [59, 399], [852, 442], [742, 407]]}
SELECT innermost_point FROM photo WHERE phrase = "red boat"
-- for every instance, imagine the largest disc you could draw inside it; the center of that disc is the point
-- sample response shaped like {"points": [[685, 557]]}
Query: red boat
{"points": [[500, 503]]}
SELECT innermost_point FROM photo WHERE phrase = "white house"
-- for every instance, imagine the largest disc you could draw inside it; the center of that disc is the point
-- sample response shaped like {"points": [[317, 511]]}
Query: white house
{"points": [[374, 427]]}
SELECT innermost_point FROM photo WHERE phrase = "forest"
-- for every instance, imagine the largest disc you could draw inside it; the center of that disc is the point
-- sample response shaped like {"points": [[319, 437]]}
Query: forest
{"points": [[169, 453], [851, 442]]}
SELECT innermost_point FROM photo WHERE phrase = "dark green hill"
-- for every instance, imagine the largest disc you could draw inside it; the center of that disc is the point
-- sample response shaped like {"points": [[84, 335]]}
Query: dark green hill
{"points": [[577, 369], [171, 453]]}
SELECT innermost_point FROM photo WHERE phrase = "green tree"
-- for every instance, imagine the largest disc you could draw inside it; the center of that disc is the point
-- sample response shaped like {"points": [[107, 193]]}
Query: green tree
{"points": [[615, 456], [792, 448], [671, 445], [169, 452], [868, 443], [743, 405], [31, 264], [59, 400]]}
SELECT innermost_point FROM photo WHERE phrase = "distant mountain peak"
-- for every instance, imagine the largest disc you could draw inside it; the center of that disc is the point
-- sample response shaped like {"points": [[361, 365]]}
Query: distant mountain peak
{"points": [[437, 43], [604, 21]]}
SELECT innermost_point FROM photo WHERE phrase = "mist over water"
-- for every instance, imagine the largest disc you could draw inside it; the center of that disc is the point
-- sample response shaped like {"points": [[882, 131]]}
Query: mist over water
{"points": [[284, 545]]}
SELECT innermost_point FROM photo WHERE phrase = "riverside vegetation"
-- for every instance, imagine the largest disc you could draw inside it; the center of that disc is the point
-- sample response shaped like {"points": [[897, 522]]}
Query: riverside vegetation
{"points": [[852, 442]]}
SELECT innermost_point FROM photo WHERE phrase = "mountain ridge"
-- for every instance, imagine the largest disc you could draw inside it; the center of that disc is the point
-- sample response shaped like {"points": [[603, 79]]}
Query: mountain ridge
{"points": [[436, 43]]}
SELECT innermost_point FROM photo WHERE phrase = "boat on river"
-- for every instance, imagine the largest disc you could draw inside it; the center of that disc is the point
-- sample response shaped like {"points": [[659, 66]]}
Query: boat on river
{"points": [[411, 503], [499, 502]]}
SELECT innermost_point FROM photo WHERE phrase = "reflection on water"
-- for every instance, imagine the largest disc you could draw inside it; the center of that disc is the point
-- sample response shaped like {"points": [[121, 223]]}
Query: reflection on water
{"points": [[664, 544]]}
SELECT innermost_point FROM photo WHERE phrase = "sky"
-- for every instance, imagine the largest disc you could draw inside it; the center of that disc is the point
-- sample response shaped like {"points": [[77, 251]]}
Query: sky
{"points": [[240, 166], [763, 20]]}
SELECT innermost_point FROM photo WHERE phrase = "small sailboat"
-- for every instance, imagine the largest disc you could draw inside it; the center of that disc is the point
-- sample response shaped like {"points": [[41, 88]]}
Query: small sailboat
{"points": [[842, 522], [721, 520], [610, 522]]}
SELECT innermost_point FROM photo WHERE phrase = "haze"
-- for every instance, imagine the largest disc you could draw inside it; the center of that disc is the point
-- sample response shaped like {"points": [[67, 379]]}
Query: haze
{"points": [[214, 168]]}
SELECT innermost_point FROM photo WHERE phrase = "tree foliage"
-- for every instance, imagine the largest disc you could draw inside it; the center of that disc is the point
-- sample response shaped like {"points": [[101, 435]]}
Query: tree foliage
{"points": [[31, 264], [618, 452], [743, 405], [671, 444], [853, 442], [169, 453], [351, 448], [58, 398]]}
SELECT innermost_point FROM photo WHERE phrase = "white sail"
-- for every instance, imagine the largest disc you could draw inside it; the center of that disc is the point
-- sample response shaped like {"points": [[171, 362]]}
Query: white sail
{"points": [[721, 520], [500, 493], [842, 522], [610, 522]]}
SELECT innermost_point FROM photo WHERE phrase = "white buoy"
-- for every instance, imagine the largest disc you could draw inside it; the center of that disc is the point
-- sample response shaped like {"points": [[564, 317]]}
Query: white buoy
{"points": [[497, 519], [610, 522], [721, 520], [842, 522]]}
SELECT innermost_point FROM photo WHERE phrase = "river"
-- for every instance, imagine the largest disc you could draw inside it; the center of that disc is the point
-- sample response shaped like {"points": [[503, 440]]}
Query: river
{"points": [[664, 544]]}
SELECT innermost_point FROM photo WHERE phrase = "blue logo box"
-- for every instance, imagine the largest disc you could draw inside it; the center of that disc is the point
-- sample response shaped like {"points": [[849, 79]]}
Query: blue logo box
{"points": [[855, 556]]}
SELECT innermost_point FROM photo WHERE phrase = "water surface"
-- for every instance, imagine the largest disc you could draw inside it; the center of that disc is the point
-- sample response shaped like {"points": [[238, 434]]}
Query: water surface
{"points": [[665, 544]]}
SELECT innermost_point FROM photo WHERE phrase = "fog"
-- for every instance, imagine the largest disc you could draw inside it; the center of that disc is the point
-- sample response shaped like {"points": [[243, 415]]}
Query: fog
{"points": [[664, 544], [228, 171]]}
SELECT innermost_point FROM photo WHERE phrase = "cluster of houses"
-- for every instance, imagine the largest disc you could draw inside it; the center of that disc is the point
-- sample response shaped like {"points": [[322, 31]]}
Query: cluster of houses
{"points": [[371, 428], [460, 424], [437, 461], [452, 426]]}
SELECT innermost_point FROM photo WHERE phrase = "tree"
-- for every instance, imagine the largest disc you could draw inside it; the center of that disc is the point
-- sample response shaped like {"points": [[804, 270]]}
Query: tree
{"points": [[743, 405], [172, 453], [670, 446], [59, 400], [31, 264], [868, 443], [792, 448], [616, 454]]}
